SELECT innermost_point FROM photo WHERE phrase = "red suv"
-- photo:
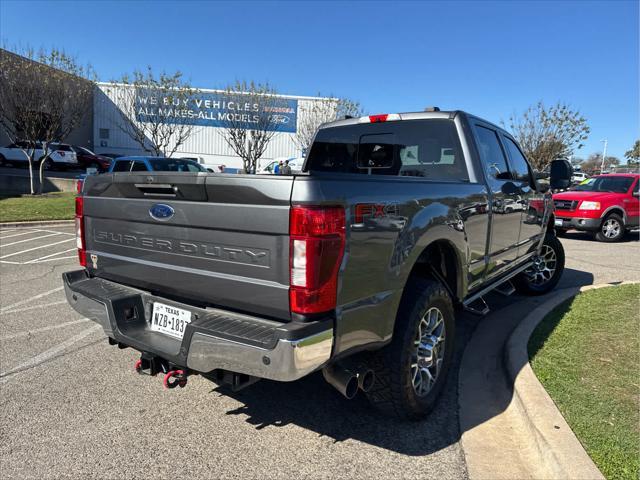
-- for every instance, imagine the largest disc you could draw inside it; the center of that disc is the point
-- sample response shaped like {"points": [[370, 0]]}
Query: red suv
{"points": [[608, 206]]}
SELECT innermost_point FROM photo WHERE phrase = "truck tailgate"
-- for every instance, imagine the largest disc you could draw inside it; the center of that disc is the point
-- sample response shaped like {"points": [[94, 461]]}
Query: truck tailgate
{"points": [[222, 242]]}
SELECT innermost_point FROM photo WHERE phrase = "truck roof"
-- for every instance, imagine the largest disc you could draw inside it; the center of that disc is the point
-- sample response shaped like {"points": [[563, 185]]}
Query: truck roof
{"points": [[426, 114]]}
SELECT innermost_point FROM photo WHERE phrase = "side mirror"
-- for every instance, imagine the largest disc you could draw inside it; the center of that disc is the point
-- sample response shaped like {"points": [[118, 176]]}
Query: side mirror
{"points": [[561, 172], [510, 188]]}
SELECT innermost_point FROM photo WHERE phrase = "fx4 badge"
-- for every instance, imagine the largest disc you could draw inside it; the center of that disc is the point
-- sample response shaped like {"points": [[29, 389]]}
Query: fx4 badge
{"points": [[366, 211]]}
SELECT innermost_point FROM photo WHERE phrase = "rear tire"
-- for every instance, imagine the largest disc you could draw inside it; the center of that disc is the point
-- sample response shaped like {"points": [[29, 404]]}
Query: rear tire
{"points": [[546, 272], [411, 373], [612, 229]]}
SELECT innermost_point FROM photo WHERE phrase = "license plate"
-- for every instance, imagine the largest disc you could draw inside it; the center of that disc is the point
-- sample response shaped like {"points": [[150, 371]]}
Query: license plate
{"points": [[558, 222], [169, 320]]}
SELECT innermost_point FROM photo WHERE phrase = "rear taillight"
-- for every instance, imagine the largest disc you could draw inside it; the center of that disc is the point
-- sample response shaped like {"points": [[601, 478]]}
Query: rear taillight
{"points": [[80, 240], [317, 238]]}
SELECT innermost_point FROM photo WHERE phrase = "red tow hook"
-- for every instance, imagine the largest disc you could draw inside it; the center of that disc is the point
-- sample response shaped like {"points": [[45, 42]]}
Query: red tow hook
{"points": [[138, 366], [175, 378]]}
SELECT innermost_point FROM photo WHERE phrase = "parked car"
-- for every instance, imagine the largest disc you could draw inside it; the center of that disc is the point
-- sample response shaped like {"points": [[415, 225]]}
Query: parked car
{"points": [[111, 155], [607, 207], [294, 162], [88, 159], [61, 155], [358, 267], [155, 164], [508, 205], [579, 177], [583, 185]]}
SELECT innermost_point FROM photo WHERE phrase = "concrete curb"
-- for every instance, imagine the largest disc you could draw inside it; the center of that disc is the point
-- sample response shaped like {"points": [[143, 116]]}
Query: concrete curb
{"points": [[37, 223], [557, 447]]}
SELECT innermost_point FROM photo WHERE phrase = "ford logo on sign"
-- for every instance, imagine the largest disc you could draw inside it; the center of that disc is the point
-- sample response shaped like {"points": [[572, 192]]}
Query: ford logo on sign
{"points": [[161, 211]]}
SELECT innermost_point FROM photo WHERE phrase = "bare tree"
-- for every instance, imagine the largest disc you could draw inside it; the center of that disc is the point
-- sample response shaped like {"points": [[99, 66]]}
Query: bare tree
{"points": [[548, 133], [323, 110], [155, 110], [43, 98], [254, 115], [594, 162]]}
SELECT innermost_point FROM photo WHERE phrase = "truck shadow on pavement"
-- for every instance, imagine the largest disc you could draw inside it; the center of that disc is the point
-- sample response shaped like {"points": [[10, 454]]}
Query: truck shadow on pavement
{"points": [[313, 404]]}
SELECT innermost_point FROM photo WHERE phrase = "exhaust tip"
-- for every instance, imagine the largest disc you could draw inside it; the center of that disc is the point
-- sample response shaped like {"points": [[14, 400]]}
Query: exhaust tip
{"points": [[351, 388], [366, 380], [342, 380]]}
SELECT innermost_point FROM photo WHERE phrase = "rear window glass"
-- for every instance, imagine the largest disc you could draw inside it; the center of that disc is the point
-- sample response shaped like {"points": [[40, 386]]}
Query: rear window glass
{"points": [[175, 165], [428, 149]]}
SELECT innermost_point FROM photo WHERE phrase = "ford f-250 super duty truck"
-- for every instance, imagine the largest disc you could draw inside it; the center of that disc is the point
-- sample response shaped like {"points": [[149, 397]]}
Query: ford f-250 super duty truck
{"points": [[356, 267]]}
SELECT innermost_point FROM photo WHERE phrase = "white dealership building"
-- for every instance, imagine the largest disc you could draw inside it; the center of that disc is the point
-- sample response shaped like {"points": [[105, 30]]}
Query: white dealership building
{"points": [[207, 111]]}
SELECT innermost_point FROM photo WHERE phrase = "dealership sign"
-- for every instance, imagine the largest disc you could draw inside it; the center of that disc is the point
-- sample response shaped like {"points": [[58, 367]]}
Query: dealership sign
{"points": [[219, 110]]}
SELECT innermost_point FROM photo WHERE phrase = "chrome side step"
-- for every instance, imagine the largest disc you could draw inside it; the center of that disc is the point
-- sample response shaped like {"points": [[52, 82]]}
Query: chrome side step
{"points": [[477, 307], [476, 304], [506, 288]]}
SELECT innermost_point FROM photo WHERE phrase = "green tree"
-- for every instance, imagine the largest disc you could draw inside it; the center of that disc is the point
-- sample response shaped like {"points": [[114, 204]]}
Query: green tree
{"points": [[547, 133], [633, 155]]}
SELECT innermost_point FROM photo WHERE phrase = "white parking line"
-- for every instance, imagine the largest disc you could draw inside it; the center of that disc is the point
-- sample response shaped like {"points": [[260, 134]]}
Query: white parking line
{"points": [[36, 248], [33, 307], [52, 352], [18, 234], [31, 299], [26, 333], [50, 255], [61, 233], [29, 239], [58, 258]]}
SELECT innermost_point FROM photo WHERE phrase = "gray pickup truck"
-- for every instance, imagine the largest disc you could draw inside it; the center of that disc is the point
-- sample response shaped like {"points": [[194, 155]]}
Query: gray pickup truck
{"points": [[356, 267]]}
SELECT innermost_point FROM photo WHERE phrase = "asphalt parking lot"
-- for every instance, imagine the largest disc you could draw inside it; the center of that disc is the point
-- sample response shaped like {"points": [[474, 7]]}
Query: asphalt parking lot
{"points": [[71, 405]]}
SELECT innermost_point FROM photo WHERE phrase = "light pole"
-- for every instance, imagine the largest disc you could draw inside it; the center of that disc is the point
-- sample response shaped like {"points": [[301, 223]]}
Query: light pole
{"points": [[604, 154]]}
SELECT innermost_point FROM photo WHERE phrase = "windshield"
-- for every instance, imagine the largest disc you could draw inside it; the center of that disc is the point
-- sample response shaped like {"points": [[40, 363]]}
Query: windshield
{"points": [[175, 165], [607, 184]]}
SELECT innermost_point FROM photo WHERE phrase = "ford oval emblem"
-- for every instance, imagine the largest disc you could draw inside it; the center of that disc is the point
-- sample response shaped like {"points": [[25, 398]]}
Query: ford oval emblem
{"points": [[161, 211]]}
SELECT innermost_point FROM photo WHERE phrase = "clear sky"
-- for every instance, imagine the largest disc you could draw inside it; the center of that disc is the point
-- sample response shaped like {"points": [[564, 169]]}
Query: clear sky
{"points": [[489, 58]]}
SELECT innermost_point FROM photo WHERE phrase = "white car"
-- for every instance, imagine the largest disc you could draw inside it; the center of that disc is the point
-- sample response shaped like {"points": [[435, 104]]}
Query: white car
{"points": [[61, 156], [295, 164], [578, 177]]}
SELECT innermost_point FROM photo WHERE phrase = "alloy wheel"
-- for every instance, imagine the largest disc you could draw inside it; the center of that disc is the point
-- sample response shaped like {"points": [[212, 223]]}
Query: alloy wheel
{"points": [[427, 359], [544, 266], [611, 228]]}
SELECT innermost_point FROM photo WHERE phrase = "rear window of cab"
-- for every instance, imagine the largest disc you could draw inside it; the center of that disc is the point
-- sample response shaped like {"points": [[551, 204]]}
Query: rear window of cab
{"points": [[428, 148]]}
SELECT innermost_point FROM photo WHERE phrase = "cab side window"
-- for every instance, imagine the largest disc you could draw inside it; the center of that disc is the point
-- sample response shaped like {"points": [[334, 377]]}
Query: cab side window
{"points": [[122, 166], [491, 153], [138, 167], [518, 162]]}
